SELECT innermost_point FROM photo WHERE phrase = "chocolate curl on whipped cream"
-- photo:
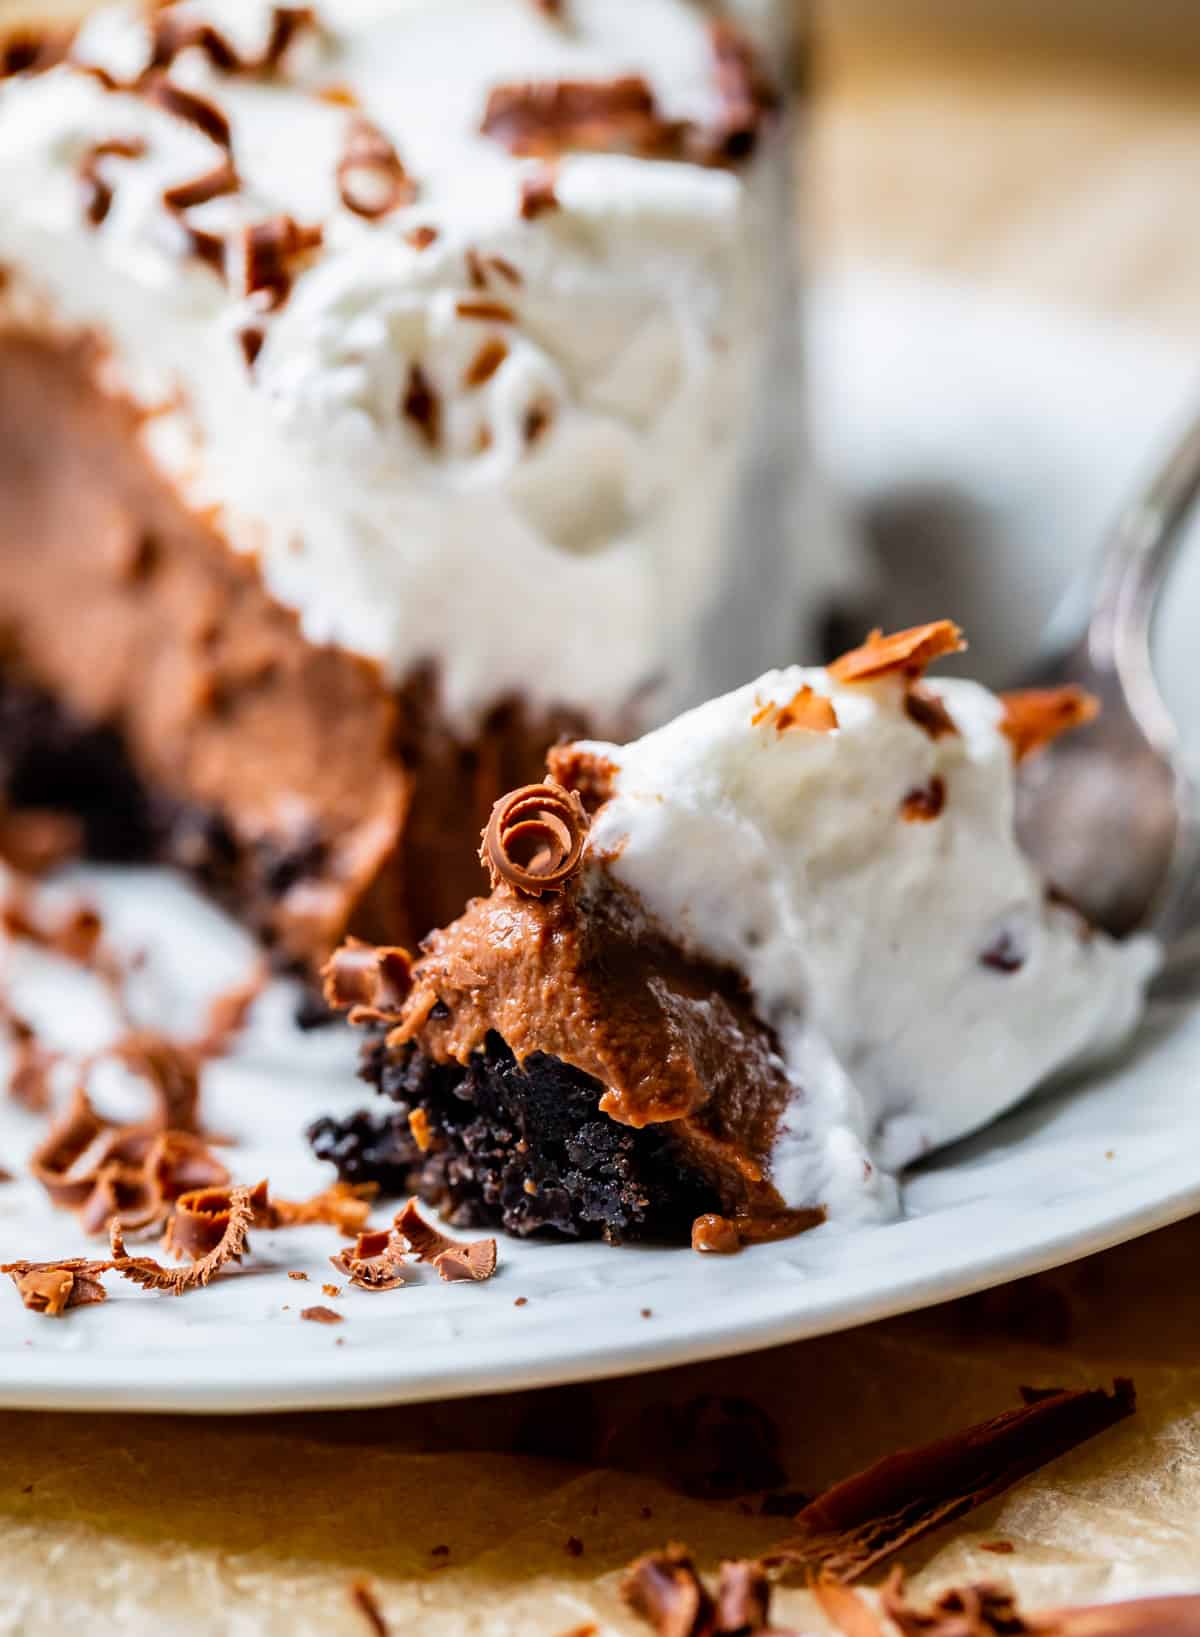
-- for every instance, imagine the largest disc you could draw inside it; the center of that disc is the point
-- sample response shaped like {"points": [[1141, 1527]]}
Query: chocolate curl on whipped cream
{"points": [[97, 189], [173, 33], [904, 653], [1034, 717], [534, 839], [371, 180]]}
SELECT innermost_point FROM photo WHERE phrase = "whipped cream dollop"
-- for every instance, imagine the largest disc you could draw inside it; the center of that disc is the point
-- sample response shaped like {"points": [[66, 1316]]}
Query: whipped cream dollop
{"points": [[505, 445], [861, 870]]}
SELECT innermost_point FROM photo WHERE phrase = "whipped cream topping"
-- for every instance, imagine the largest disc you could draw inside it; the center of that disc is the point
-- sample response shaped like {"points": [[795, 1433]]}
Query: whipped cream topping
{"points": [[866, 879], [559, 533]]}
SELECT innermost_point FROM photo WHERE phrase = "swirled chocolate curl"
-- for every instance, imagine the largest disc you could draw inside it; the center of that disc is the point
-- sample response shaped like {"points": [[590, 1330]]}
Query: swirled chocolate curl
{"points": [[1035, 717], [534, 839], [151, 1275], [344, 1206], [371, 180], [201, 1219], [865, 1519], [376, 1261], [904, 653], [269, 254], [371, 981], [188, 106], [454, 1259], [172, 33]]}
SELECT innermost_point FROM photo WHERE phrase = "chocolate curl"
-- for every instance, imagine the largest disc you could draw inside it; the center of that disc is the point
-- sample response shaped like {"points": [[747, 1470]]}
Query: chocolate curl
{"points": [[591, 776], [32, 1063], [97, 190], [371, 981], [201, 1219], [454, 1259], [807, 711], [173, 34], [1035, 717], [192, 109], [546, 118], [538, 196], [865, 1519], [376, 1261], [151, 1275], [123, 1194], [69, 1159], [926, 709], [904, 653], [421, 405], [746, 96], [53, 1288], [925, 802], [344, 1206], [170, 1068], [371, 180], [34, 50], [534, 839], [198, 190], [269, 252]]}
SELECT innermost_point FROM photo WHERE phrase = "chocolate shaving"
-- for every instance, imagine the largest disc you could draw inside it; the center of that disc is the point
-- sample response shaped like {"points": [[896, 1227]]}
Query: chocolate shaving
{"points": [[344, 1206], [53, 1287], [321, 1315], [746, 97], [229, 1012], [187, 106], [250, 339], [591, 776], [506, 270], [925, 802], [361, 1595], [865, 1519], [71, 1156], [534, 839], [211, 184], [151, 1275], [664, 1590], [421, 237], [926, 709], [97, 190], [485, 363], [537, 419], [376, 1261], [806, 710], [371, 180], [268, 254], [31, 50], [538, 196], [453, 1259], [544, 119], [1035, 717], [373, 981], [487, 311], [906, 653], [421, 405], [32, 1064], [173, 34], [201, 1219], [170, 1068], [986, 1610]]}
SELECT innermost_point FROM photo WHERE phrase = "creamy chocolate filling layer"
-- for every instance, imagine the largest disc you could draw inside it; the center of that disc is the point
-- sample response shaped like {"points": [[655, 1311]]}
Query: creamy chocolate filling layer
{"points": [[340, 803]]}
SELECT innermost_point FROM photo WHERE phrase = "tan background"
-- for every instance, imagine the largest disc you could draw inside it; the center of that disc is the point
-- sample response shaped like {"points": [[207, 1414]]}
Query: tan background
{"points": [[1001, 163]]}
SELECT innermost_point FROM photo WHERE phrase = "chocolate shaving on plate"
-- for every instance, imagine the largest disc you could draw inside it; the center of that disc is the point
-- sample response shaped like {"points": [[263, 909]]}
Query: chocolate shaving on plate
{"points": [[376, 1262], [321, 1315], [229, 1012], [53, 1287], [591, 776], [1035, 717], [371, 180], [534, 839], [454, 1259], [868, 1517], [344, 1206], [32, 1063], [201, 1219], [905, 653], [151, 1275]]}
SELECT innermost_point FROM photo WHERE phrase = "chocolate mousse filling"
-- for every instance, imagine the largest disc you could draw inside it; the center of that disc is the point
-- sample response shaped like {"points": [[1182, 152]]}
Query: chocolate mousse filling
{"points": [[559, 1063], [150, 685]]}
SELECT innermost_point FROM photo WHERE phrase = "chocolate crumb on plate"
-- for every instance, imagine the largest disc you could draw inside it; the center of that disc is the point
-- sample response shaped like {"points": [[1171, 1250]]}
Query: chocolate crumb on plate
{"points": [[321, 1315]]}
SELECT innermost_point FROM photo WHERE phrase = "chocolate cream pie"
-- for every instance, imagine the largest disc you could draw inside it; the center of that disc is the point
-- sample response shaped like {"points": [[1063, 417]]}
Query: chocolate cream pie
{"points": [[731, 978], [375, 388]]}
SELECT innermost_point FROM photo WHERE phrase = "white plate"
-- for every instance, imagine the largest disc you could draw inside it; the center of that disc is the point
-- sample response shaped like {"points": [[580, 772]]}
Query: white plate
{"points": [[1077, 1170]]}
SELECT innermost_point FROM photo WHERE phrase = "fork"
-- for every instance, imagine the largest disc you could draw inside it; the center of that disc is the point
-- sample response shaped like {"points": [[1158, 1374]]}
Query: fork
{"points": [[1111, 813]]}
